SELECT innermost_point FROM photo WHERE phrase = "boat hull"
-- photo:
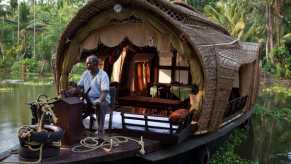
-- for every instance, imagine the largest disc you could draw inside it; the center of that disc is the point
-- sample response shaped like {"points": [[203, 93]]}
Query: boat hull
{"points": [[129, 152]]}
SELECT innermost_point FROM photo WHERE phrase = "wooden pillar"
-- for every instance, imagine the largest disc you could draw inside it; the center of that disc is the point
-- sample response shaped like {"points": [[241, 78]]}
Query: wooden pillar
{"points": [[173, 68]]}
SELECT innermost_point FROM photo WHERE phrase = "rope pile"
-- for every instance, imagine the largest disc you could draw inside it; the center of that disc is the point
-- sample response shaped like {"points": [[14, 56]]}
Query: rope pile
{"points": [[92, 143], [40, 149], [44, 104], [24, 132]]}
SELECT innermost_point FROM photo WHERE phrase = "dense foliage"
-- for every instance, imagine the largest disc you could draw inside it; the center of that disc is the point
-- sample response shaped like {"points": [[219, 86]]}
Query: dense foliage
{"points": [[266, 21], [30, 31], [227, 153]]}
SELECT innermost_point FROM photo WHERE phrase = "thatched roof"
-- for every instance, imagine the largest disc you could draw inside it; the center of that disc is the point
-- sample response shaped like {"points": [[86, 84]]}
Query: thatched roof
{"points": [[219, 54]]}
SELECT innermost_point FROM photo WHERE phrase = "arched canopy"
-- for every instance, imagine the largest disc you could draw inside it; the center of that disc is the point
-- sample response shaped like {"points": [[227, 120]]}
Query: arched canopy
{"points": [[139, 26], [213, 55]]}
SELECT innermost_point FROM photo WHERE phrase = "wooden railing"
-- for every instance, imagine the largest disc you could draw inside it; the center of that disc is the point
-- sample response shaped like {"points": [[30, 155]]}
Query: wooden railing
{"points": [[235, 105]]}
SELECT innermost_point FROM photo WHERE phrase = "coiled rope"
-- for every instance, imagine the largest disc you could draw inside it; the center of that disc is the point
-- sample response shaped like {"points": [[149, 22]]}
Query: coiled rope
{"points": [[25, 131], [40, 149], [91, 143]]}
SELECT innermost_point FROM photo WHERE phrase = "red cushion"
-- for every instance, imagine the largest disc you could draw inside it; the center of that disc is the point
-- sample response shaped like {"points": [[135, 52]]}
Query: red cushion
{"points": [[178, 115]]}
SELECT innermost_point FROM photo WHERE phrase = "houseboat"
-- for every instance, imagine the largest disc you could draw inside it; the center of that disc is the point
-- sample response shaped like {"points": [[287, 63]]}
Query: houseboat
{"points": [[178, 83]]}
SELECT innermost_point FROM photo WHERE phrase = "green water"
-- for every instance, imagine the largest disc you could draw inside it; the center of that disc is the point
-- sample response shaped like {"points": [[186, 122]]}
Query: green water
{"points": [[13, 109], [268, 143]]}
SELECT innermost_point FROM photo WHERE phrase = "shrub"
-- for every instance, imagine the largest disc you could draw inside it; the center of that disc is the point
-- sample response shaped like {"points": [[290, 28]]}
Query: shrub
{"points": [[282, 63], [282, 58], [6, 63], [227, 153], [77, 71], [26, 66], [78, 68]]}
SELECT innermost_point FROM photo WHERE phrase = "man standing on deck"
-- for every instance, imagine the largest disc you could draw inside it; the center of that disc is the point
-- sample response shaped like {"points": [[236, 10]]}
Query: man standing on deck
{"points": [[95, 83]]}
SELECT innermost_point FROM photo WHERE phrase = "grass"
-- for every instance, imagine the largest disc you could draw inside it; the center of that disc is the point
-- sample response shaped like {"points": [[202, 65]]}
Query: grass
{"points": [[30, 79]]}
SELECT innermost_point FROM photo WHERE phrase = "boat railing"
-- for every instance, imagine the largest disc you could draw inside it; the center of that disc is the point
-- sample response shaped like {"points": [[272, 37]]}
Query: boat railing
{"points": [[156, 127], [236, 104], [148, 123]]}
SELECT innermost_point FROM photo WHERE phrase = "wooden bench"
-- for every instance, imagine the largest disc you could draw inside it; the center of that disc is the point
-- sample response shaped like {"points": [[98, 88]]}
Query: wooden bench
{"points": [[150, 102]]}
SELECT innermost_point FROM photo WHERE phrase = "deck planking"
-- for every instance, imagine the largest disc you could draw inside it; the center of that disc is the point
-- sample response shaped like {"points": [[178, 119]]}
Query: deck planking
{"points": [[123, 151]]}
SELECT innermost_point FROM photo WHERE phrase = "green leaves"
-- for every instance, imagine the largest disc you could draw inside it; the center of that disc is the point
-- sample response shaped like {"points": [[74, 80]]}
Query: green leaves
{"points": [[264, 21], [26, 65], [236, 16], [24, 11], [50, 20], [286, 36], [227, 153]]}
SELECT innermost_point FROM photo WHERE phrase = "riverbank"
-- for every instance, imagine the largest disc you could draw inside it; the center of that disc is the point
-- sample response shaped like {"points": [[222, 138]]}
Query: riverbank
{"points": [[25, 79], [268, 79]]}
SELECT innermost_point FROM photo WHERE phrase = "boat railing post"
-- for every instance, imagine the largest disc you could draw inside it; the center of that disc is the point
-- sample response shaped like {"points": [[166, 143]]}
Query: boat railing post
{"points": [[146, 122], [171, 128], [123, 120]]}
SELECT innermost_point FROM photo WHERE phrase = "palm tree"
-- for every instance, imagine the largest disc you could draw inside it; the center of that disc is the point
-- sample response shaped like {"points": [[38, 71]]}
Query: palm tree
{"points": [[200, 4], [4, 12], [1, 14], [236, 17], [34, 29]]}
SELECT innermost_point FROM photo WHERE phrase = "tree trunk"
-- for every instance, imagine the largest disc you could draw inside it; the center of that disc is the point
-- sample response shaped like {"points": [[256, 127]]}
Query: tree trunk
{"points": [[1, 53], [18, 23], [269, 33], [278, 18], [43, 64], [2, 31], [34, 29], [1, 45]]}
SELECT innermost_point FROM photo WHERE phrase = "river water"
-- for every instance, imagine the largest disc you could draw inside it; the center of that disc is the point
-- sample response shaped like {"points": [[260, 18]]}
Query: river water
{"points": [[14, 112], [268, 143]]}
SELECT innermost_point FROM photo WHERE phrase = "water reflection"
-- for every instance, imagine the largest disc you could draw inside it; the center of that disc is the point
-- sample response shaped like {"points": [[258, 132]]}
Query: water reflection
{"points": [[270, 139], [13, 109]]}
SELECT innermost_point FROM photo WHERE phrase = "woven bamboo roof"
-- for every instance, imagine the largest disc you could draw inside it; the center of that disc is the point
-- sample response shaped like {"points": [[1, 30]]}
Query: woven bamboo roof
{"points": [[220, 55], [194, 26]]}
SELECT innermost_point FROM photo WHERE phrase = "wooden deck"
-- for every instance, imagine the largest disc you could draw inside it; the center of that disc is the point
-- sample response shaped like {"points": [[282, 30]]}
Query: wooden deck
{"points": [[123, 151], [155, 152]]}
